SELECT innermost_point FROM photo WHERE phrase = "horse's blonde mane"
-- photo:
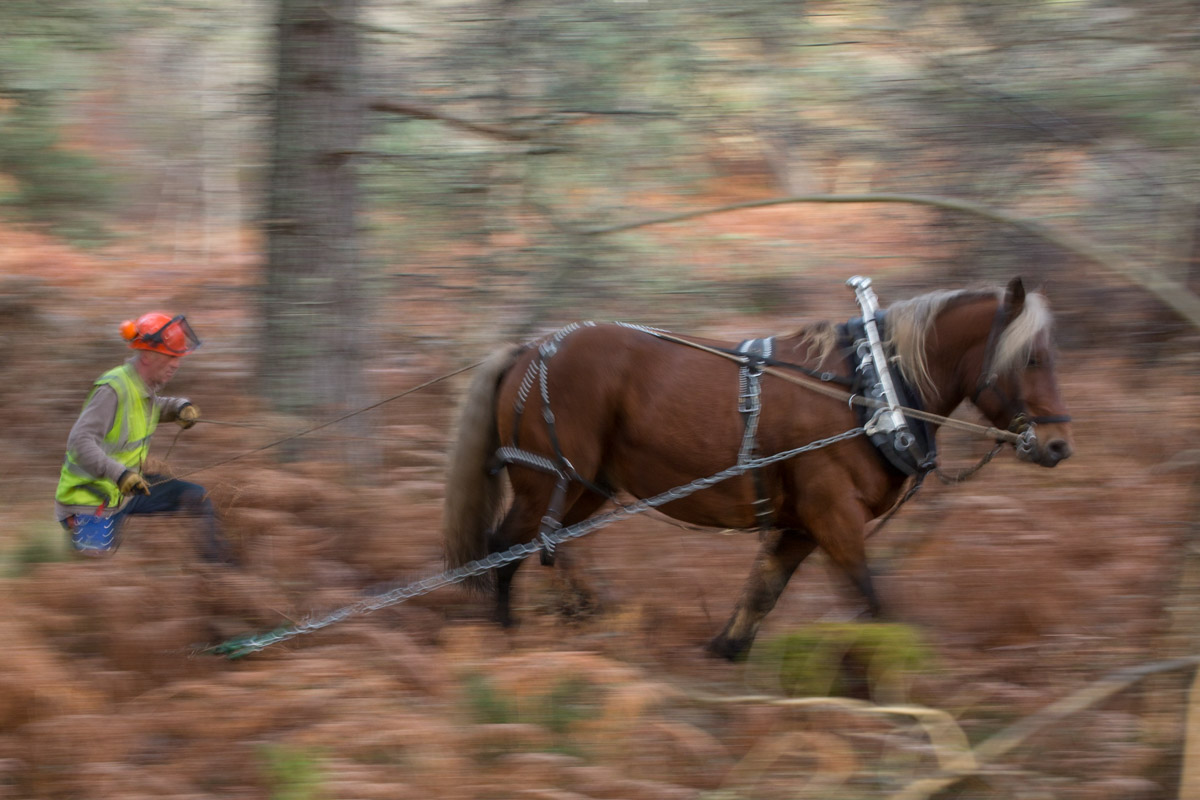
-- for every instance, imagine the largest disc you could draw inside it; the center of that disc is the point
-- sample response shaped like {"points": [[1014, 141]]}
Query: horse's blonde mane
{"points": [[819, 339], [909, 323], [1023, 334]]}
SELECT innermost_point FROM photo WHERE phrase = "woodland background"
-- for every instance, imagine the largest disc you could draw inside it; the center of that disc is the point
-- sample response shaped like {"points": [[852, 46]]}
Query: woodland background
{"points": [[351, 198]]}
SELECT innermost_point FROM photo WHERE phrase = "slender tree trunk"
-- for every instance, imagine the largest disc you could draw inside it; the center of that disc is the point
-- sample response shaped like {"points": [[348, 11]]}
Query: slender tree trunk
{"points": [[313, 305]]}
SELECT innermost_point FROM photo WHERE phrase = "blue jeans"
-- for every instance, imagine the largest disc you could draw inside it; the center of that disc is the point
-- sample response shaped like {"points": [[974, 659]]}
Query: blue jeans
{"points": [[96, 535]]}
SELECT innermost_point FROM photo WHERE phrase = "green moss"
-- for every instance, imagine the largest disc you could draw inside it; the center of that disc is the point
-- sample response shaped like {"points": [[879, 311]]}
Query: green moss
{"points": [[293, 773], [38, 544], [557, 710], [485, 705], [842, 659]]}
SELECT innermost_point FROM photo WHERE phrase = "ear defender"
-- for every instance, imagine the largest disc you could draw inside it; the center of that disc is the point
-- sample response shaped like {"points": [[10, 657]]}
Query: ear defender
{"points": [[129, 330]]}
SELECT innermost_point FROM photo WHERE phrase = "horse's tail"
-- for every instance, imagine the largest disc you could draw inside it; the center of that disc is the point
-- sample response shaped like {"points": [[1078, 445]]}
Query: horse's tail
{"points": [[474, 494]]}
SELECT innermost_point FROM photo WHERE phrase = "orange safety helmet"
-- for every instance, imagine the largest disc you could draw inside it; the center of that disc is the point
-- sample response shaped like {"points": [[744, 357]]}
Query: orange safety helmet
{"points": [[160, 333]]}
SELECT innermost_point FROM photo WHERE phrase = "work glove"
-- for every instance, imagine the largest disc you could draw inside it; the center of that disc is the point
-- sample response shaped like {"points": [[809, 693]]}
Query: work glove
{"points": [[187, 416], [132, 482]]}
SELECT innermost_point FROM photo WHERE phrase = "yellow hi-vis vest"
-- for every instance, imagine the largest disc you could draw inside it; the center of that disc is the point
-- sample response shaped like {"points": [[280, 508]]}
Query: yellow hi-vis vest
{"points": [[127, 441]]}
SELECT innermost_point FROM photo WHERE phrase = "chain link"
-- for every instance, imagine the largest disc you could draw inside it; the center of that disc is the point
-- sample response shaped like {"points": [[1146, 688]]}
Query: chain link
{"points": [[252, 643]]}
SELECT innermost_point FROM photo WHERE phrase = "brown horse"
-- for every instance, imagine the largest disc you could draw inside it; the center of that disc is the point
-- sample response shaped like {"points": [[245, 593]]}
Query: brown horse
{"points": [[601, 408]]}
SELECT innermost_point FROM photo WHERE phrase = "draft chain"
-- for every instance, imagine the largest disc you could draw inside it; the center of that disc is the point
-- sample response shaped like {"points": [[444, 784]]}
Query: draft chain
{"points": [[253, 643]]}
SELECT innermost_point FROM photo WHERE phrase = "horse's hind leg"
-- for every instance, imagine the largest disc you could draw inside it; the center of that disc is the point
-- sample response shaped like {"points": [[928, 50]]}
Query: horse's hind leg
{"points": [[778, 557], [518, 526], [578, 597]]}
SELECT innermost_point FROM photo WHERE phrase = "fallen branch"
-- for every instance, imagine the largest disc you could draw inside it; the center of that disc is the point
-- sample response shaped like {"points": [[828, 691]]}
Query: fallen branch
{"points": [[949, 742], [1016, 734]]}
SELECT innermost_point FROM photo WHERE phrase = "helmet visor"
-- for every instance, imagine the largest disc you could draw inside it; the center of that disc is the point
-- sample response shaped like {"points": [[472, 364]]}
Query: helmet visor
{"points": [[175, 338]]}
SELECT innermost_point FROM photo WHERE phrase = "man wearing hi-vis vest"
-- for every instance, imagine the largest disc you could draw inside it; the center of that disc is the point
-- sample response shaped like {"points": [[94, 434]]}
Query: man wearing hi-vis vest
{"points": [[102, 482]]}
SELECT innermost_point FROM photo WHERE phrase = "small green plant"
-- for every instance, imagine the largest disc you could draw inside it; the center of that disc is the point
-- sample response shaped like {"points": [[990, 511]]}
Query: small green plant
{"points": [[568, 702], [40, 544], [565, 703], [294, 773], [485, 704], [51, 184], [837, 659]]}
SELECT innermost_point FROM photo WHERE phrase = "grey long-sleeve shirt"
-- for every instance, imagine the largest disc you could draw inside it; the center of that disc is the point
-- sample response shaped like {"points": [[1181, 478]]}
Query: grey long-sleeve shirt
{"points": [[87, 435]]}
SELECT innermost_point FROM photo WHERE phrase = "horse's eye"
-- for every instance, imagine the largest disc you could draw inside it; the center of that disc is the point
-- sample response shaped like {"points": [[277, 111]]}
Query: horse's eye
{"points": [[1033, 363]]}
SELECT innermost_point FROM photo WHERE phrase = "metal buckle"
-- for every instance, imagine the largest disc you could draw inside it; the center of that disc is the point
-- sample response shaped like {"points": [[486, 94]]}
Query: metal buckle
{"points": [[1027, 443], [880, 422]]}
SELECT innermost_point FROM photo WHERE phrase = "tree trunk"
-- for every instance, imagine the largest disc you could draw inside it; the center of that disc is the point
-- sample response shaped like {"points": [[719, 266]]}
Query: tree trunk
{"points": [[313, 305]]}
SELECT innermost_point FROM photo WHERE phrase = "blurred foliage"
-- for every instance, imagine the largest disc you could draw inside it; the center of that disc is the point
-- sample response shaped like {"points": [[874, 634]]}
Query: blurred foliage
{"points": [[62, 188], [873, 660], [48, 56], [631, 108], [485, 704], [1078, 114], [293, 773], [556, 709], [108, 111], [44, 543]]}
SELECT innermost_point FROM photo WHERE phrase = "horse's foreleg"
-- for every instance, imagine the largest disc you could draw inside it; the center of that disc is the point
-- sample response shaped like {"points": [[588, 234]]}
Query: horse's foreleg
{"points": [[839, 532], [777, 559]]}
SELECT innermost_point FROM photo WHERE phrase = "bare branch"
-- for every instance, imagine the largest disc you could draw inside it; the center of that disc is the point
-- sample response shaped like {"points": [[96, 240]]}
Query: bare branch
{"points": [[1174, 294], [419, 112]]}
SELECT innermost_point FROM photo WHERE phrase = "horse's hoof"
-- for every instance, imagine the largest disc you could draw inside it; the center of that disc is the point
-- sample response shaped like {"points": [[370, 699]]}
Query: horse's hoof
{"points": [[578, 605], [720, 647]]}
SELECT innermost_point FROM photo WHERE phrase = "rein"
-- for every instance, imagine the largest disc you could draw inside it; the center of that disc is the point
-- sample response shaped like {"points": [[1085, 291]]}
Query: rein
{"points": [[306, 431], [819, 386]]}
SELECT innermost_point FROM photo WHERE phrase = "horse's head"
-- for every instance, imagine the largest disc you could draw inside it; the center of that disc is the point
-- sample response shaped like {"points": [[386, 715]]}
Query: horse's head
{"points": [[1016, 386], [995, 348]]}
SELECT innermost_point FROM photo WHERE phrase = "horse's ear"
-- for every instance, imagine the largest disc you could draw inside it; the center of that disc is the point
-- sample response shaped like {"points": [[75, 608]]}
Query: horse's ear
{"points": [[1014, 298]]}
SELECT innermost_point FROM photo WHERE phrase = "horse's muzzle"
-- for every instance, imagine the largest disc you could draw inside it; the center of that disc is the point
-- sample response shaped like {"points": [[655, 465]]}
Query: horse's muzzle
{"points": [[1030, 448], [1056, 450]]}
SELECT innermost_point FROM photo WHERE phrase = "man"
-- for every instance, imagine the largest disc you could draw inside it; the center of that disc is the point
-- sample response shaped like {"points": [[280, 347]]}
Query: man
{"points": [[101, 483]]}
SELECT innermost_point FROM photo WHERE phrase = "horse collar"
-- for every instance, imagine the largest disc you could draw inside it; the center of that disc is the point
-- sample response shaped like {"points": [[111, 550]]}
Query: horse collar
{"points": [[920, 456]]}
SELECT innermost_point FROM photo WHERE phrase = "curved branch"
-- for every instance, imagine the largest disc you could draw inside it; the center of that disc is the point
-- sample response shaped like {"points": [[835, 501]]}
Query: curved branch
{"points": [[1174, 294]]}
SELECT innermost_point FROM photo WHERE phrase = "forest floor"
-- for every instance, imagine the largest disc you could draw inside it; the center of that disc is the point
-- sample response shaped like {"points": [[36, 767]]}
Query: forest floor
{"points": [[1025, 585]]}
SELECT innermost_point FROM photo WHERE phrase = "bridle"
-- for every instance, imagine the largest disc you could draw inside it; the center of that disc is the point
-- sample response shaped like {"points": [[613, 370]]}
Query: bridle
{"points": [[1021, 422]]}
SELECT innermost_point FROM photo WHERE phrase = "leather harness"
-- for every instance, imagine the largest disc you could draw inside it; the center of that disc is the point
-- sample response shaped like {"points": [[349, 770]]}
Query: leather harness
{"points": [[918, 459]]}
